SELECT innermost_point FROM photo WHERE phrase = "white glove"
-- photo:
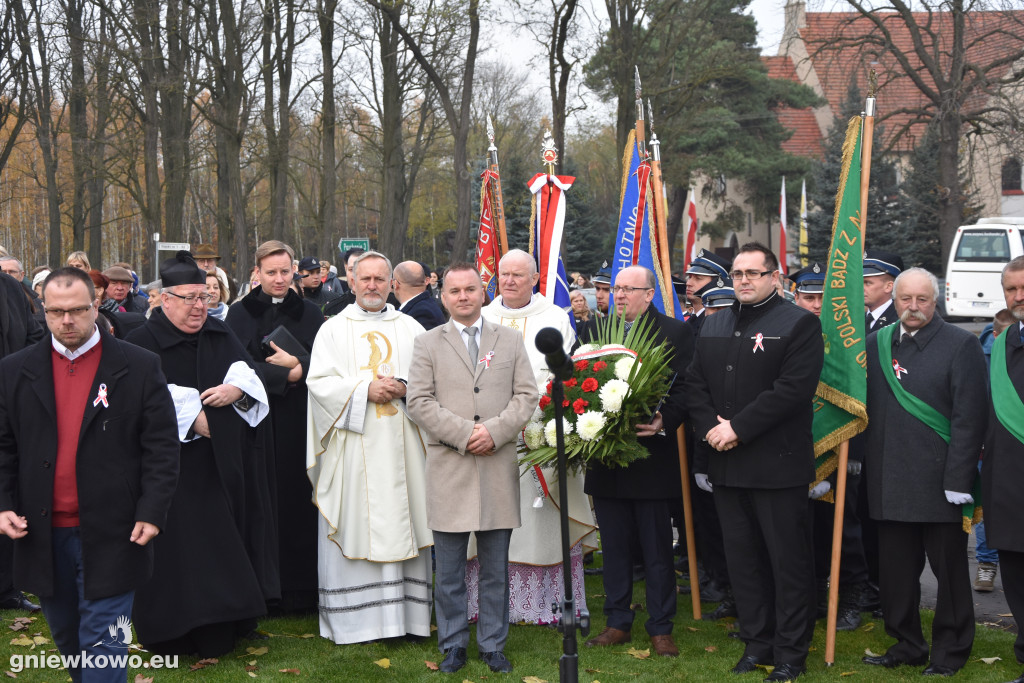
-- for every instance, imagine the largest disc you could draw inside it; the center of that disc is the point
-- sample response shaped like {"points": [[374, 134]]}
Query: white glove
{"points": [[959, 498], [819, 490], [853, 467], [702, 482]]}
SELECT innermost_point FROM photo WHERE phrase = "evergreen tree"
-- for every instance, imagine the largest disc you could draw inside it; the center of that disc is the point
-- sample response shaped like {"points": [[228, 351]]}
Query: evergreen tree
{"points": [[883, 221]]}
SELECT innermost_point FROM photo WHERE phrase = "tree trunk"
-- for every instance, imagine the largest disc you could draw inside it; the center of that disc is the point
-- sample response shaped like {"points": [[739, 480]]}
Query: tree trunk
{"points": [[77, 118], [96, 187], [391, 230], [328, 180]]}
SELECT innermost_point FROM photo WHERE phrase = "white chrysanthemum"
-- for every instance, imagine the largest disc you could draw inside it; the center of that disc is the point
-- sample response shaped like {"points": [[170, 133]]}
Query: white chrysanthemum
{"points": [[534, 435], [549, 431], [589, 424], [612, 394], [586, 347], [623, 367]]}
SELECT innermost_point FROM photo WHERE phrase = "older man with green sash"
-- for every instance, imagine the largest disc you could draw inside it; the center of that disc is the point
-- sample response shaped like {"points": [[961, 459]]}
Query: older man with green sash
{"points": [[927, 411], [1002, 470]]}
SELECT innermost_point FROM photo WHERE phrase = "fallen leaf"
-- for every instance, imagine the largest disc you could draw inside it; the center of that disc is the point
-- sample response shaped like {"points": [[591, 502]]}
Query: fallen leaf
{"points": [[256, 651], [639, 654], [1004, 615], [710, 648], [691, 628], [593, 671], [383, 663], [307, 635], [139, 678], [433, 628], [870, 626], [17, 626], [251, 667], [11, 674], [252, 662], [991, 660], [431, 665], [22, 641], [847, 673], [203, 663], [289, 671], [39, 640], [869, 653], [252, 674], [637, 607], [533, 679]]}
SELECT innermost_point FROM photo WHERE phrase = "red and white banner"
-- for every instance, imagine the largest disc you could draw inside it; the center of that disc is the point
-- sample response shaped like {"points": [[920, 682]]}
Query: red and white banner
{"points": [[782, 229], [691, 230], [549, 224], [487, 255]]}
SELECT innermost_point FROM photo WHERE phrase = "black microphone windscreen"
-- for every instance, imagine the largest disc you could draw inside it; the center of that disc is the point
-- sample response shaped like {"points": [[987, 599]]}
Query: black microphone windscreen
{"points": [[548, 340]]}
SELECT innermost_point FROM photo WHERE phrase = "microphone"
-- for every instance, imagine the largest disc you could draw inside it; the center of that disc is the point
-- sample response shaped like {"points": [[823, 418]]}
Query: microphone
{"points": [[549, 342]]}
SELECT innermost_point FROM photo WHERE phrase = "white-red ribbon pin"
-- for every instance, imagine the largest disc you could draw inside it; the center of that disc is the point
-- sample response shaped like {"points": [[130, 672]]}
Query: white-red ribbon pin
{"points": [[758, 342], [101, 397], [899, 369], [486, 360]]}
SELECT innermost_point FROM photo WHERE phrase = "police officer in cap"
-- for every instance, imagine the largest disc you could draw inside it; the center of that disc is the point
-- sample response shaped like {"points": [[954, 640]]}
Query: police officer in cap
{"points": [[810, 283], [717, 298], [707, 271], [602, 288], [880, 271]]}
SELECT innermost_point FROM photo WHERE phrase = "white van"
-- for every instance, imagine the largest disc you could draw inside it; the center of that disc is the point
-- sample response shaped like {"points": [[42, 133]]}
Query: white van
{"points": [[976, 261]]}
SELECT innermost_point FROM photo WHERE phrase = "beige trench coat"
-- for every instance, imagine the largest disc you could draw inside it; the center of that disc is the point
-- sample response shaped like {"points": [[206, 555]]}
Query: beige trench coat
{"points": [[446, 397]]}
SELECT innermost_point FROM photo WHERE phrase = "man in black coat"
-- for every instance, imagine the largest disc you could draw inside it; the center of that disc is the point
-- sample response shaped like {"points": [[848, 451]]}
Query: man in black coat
{"points": [[881, 268], [216, 565], [266, 308], [1002, 468], [750, 391], [633, 503], [410, 288], [18, 329], [88, 466], [927, 409]]}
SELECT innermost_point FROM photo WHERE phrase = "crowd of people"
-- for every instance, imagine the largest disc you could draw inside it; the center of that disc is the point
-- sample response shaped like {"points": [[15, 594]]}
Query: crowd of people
{"points": [[191, 456]]}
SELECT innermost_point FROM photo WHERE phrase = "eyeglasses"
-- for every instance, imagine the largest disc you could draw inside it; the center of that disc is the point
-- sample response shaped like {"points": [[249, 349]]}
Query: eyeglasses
{"points": [[59, 313], [191, 299], [623, 289], [749, 274]]}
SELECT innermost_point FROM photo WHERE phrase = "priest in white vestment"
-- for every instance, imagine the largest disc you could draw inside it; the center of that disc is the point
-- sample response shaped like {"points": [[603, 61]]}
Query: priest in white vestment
{"points": [[535, 551], [366, 462]]}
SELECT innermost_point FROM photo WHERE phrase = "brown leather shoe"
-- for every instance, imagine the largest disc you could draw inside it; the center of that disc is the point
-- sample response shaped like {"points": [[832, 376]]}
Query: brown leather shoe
{"points": [[664, 646], [609, 636]]}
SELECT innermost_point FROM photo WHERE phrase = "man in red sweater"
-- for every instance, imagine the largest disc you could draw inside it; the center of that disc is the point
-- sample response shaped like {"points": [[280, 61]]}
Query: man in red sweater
{"points": [[88, 466]]}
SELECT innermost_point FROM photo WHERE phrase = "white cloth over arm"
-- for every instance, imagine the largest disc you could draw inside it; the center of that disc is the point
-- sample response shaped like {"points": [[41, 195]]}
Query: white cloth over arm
{"points": [[187, 406], [244, 377]]}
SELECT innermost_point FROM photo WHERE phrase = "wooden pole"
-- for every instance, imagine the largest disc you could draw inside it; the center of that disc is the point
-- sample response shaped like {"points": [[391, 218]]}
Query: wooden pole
{"points": [[691, 544], [837, 549], [497, 205]]}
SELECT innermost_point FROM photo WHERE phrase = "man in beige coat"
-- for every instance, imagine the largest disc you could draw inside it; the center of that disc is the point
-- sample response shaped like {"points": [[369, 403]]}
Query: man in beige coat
{"points": [[471, 389]]}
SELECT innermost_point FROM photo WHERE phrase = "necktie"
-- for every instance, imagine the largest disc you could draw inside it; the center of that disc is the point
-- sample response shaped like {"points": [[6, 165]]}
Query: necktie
{"points": [[628, 325], [868, 320], [905, 338], [474, 349]]}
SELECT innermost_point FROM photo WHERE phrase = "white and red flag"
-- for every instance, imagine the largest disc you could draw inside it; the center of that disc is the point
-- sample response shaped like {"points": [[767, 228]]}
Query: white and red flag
{"points": [[782, 228], [691, 229], [486, 243]]}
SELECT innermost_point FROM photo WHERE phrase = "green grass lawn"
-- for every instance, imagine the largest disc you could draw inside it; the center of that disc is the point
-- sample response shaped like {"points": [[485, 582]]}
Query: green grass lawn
{"points": [[707, 654]]}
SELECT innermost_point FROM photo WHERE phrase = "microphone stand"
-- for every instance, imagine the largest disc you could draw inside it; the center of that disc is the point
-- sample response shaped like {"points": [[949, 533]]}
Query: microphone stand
{"points": [[568, 622]]}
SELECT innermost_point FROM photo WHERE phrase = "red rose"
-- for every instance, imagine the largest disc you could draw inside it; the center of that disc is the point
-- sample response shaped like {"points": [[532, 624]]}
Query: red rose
{"points": [[582, 364], [579, 405], [589, 384], [599, 366], [548, 389], [565, 403], [545, 401], [570, 382]]}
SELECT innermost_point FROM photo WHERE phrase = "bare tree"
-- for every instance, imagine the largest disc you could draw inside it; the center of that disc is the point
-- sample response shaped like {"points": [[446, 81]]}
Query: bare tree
{"points": [[14, 79], [454, 94], [963, 57]]}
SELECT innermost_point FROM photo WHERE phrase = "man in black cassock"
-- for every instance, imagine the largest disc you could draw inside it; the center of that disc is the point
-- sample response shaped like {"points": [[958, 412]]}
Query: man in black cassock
{"points": [[266, 308], [216, 563]]}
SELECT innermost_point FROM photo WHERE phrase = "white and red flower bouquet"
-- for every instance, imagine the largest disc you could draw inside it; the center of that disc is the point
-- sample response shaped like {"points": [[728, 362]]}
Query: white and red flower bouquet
{"points": [[614, 387]]}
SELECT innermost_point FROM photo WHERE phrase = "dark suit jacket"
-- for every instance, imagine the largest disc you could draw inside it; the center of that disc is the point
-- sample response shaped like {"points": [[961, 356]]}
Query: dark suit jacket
{"points": [[888, 317], [127, 464], [1002, 468], [423, 307], [18, 327], [657, 476], [765, 391], [907, 466]]}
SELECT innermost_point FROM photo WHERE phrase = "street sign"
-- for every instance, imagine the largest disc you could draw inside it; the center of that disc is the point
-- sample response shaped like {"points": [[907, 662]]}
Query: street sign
{"points": [[346, 243], [173, 246]]}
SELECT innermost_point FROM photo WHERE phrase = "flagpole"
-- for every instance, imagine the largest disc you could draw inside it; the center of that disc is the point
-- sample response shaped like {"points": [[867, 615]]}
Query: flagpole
{"points": [[805, 258], [660, 208], [497, 205], [867, 129]]}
